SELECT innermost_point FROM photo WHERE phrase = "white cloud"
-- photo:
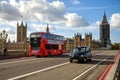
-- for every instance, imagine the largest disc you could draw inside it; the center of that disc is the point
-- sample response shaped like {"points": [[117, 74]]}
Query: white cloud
{"points": [[74, 20], [98, 23], [12, 37], [115, 20], [47, 12], [8, 24], [9, 12], [75, 2], [37, 12], [39, 27], [33, 10], [42, 27], [10, 32]]}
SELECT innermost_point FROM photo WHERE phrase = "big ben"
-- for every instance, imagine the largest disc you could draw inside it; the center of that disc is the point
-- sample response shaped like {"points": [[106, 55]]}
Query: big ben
{"points": [[105, 32]]}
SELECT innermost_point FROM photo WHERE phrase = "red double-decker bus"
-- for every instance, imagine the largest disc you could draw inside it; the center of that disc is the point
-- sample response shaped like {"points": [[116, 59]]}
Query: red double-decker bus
{"points": [[46, 44]]}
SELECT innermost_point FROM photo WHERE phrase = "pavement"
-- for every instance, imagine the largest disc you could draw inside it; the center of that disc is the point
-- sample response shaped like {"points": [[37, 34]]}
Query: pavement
{"points": [[11, 57]]}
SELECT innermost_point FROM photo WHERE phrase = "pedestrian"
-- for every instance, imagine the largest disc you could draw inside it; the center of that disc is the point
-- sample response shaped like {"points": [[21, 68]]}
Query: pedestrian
{"points": [[5, 51]]}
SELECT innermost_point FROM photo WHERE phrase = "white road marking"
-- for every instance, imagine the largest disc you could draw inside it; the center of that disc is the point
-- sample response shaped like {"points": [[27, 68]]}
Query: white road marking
{"points": [[21, 76], [18, 61], [28, 60], [28, 74], [90, 68]]}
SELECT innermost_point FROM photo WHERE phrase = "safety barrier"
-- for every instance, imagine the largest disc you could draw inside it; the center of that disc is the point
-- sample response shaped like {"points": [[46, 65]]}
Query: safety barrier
{"points": [[112, 72], [117, 72]]}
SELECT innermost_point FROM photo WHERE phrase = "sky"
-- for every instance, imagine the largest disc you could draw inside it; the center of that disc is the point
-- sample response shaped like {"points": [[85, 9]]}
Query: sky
{"points": [[65, 17]]}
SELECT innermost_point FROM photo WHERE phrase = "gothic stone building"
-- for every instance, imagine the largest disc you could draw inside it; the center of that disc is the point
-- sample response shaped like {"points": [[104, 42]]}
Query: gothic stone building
{"points": [[105, 32], [21, 32], [20, 47], [77, 40]]}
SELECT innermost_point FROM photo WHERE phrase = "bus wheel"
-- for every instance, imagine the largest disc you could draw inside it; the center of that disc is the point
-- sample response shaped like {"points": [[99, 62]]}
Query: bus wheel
{"points": [[49, 54], [38, 56]]}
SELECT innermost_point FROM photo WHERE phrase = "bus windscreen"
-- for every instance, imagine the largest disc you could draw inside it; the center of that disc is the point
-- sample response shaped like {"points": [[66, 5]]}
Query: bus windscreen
{"points": [[35, 41]]}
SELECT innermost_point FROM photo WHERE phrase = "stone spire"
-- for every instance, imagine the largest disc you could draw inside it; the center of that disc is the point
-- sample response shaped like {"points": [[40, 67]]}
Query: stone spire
{"points": [[104, 21], [26, 24], [22, 23], [47, 29], [17, 24]]}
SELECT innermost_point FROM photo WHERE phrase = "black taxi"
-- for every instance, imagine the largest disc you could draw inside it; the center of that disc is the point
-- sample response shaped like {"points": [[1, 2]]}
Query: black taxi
{"points": [[81, 54]]}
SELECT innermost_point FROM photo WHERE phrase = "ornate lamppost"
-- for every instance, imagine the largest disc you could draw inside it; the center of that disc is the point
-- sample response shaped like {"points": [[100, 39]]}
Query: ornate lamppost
{"points": [[3, 38]]}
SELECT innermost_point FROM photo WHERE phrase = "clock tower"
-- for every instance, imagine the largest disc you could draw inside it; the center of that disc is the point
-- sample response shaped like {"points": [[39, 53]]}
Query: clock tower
{"points": [[105, 32]]}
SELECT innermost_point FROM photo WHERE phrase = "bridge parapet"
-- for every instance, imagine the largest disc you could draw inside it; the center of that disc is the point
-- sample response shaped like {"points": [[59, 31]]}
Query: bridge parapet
{"points": [[114, 70], [117, 72]]}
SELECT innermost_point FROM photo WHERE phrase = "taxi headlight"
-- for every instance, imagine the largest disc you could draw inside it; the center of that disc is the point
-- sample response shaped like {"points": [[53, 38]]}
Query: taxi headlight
{"points": [[82, 55], [71, 55]]}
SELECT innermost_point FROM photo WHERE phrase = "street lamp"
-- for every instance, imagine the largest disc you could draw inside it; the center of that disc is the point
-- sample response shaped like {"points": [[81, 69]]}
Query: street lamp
{"points": [[3, 37], [0, 35]]}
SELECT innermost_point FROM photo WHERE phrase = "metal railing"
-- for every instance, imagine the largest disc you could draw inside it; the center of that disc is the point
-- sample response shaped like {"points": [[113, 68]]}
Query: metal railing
{"points": [[117, 73]]}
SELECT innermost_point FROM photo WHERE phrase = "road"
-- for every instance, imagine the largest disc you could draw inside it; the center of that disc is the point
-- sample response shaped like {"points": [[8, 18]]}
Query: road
{"points": [[56, 67]]}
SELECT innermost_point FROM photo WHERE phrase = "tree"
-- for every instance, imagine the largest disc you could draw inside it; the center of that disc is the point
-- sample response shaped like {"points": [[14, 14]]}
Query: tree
{"points": [[115, 46]]}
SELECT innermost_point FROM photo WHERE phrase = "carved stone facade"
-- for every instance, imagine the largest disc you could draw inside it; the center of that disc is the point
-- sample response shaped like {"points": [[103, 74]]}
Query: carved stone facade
{"points": [[18, 48], [69, 44], [77, 40], [21, 32], [21, 47]]}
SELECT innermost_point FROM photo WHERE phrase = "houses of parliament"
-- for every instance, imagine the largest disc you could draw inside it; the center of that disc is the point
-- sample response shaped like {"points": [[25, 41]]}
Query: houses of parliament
{"points": [[104, 41], [22, 44]]}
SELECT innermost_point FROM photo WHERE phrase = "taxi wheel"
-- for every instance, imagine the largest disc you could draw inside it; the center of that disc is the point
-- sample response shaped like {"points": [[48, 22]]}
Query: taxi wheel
{"points": [[71, 60]]}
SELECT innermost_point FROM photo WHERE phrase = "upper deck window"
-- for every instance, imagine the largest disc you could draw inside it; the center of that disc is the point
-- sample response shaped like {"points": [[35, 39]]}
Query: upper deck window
{"points": [[34, 35], [54, 37]]}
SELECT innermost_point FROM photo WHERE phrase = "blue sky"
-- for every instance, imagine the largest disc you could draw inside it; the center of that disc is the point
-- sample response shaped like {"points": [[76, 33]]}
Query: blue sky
{"points": [[92, 10], [65, 17]]}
